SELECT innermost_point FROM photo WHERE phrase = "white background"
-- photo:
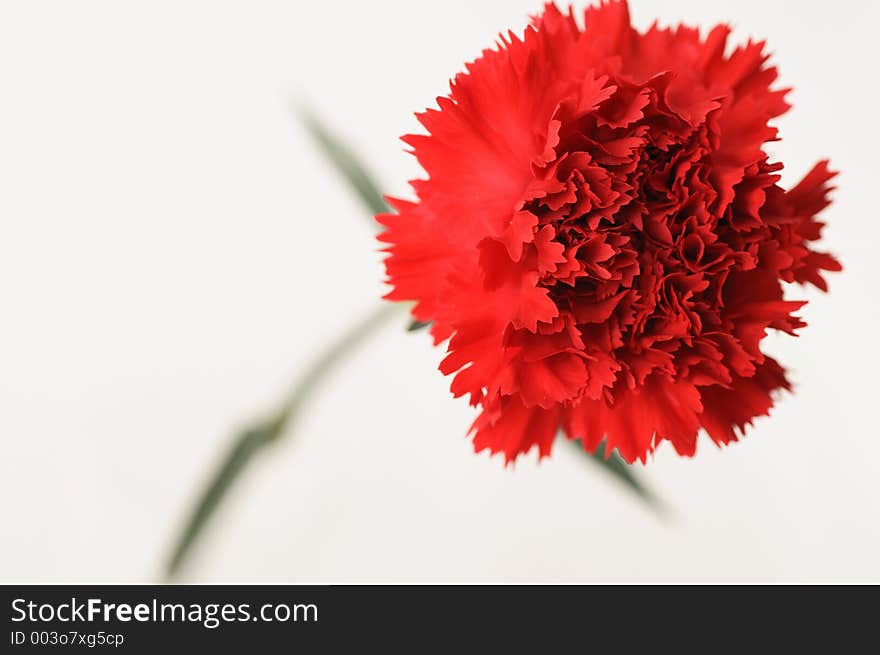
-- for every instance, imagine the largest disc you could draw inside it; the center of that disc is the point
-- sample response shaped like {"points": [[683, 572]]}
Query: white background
{"points": [[173, 250]]}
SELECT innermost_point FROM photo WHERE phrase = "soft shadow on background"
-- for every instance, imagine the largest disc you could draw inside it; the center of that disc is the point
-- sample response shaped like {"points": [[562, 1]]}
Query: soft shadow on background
{"points": [[174, 248]]}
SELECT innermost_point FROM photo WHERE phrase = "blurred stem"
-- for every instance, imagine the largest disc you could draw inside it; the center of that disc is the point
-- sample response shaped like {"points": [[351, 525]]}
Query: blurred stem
{"points": [[346, 164], [617, 467], [255, 437]]}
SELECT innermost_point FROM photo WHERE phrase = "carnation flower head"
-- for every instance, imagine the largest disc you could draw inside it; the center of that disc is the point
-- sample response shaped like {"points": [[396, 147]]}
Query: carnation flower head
{"points": [[601, 237]]}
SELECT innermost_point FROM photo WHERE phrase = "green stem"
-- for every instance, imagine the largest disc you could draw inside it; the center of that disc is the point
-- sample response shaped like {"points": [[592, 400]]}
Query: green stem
{"points": [[263, 433], [617, 467], [346, 163]]}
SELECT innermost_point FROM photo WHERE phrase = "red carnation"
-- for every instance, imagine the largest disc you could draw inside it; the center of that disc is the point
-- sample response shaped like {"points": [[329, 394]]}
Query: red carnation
{"points": [[602, 238]]}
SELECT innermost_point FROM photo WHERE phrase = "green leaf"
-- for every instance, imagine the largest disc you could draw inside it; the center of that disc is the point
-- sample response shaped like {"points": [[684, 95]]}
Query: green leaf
{"points": [[239, 455], [257, 437], [415, 326], [345, 161], [617, 467]]}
